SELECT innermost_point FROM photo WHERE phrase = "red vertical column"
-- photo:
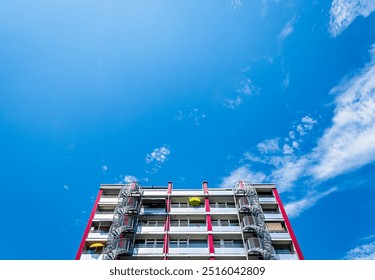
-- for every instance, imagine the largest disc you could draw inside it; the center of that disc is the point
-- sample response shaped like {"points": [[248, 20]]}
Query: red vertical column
{"points": [[210, 238], [288, 224], [87, 230], [167, 222]]}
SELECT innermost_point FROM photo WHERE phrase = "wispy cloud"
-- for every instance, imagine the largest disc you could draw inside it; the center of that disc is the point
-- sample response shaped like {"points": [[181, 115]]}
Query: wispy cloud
{"points": [[368, 237], [104, 168], [346, 145], [188, 113], [264, 8], [269, 146], [158, 155], [156, 158], [307, 124], [361, 252], [243, 173], [295, 208], [232, 103], [66, 187], [344, 12], [286, 80], [130, 179], [350, 142], [287, 29], [244, 89], [236, 4]]}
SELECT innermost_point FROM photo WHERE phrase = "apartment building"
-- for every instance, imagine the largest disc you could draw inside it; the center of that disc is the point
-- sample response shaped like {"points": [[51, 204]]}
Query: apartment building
{"points": [[246, 222]]}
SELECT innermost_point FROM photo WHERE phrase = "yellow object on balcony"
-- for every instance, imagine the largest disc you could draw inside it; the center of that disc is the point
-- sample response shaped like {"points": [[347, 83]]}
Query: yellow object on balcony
{"points": [[194, 201], [96, 245]]}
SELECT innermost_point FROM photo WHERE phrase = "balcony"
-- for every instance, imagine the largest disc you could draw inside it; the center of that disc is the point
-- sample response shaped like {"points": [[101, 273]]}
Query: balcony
{"points": [[150, 229], [222, 210], [190, 228], [273, 216], [153, 211], [100, 216], [226, 228], [288, 256], [180, 251], [240, 250], [279, 235], [108, 199], [266, 199], [143, 250], [188, 210], [91, 257], [98, 234]]}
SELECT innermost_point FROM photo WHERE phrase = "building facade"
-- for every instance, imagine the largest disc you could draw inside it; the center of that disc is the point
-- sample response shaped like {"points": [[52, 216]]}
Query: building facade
{"points": [[246, 222]]}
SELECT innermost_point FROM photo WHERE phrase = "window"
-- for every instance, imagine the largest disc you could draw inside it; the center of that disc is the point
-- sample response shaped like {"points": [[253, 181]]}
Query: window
{"points": [[105, 210], [228, 243], [283, 248], [222, 205], [197, 243], [183, 205], [224, 222], [152, 223], [100, 227], [276, 227], [149, 243], [188, 222], [188, 243], [264, 193], [270, 209]]}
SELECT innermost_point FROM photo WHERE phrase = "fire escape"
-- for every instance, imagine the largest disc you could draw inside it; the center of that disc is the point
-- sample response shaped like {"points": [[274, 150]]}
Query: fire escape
{"points": [[122, 233], [257, 237]]}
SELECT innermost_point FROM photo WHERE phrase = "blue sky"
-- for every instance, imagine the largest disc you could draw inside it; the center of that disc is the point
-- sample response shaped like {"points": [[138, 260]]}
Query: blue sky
{"points": [[98, 92]]}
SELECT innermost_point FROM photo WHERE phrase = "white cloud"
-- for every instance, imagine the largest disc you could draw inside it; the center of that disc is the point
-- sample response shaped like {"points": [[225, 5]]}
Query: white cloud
{"points": [[242, 173], [290, 170], [157, 158], [232, 103], [190, 114], [129, 179], [307, 124], [104, 168], [268, 146], [244, 89], [287, 150], [287, 29], [346, 145], [66, 187], [159, 155], [295, 208], [251, 157], [362, 252], [236, 4], [368, 237], [286, 80], [264, 8], [344, 12], [292, 134], [350, 142]]}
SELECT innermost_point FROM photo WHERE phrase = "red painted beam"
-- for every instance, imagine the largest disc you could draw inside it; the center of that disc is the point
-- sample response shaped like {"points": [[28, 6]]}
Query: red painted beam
{"points": [[87, 230], [288, 224], [167, 224], [210, 238]]}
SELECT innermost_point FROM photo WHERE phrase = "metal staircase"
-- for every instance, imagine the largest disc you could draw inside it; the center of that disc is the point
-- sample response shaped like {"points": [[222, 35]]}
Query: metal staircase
{"points": [[253, 222], [124, 225]]}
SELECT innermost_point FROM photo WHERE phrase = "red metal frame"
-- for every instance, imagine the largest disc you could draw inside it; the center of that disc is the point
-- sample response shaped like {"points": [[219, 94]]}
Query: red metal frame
{"points": [[210, 238], [167, 222], [87, 230], [288, 224]]}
